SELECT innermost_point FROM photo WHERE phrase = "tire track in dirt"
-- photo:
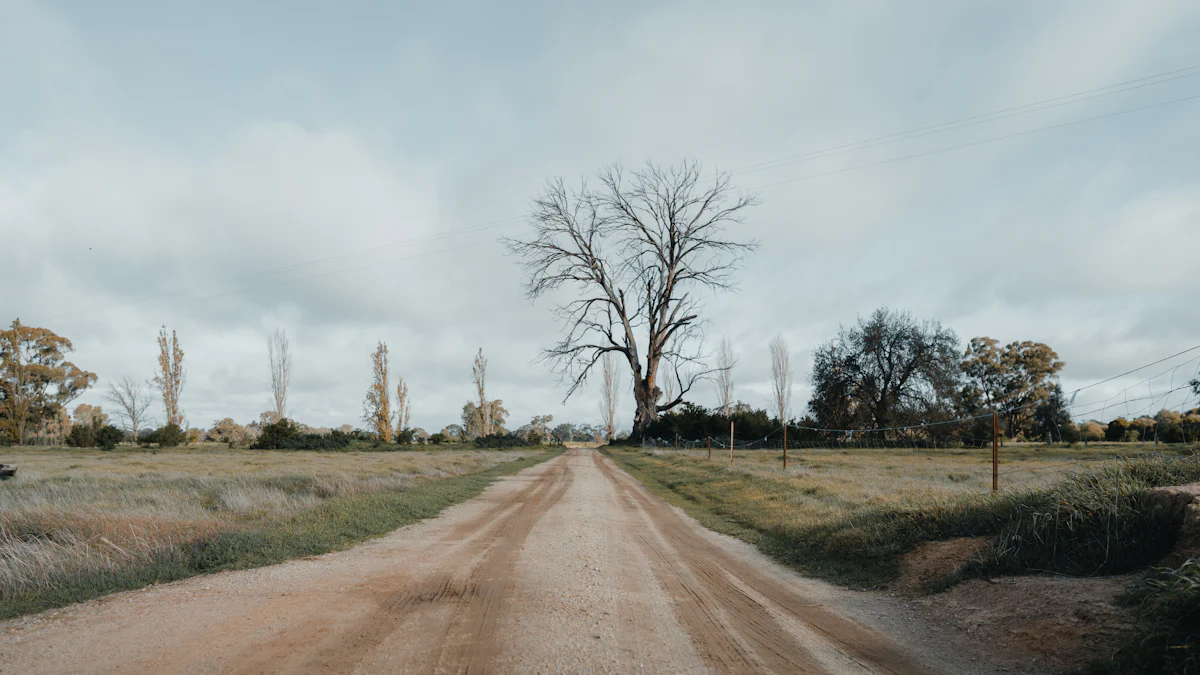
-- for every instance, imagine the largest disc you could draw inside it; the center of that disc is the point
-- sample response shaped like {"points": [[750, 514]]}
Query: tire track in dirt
{"points": [[486, 544], [704, 579], [568, 566]]}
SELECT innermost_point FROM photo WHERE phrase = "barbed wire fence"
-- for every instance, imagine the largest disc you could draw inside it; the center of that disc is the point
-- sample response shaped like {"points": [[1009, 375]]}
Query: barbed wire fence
{"points": [[1013, 470]]}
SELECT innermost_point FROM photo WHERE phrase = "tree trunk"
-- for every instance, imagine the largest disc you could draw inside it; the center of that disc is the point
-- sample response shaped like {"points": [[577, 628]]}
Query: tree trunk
{"points": [[647, 409]]}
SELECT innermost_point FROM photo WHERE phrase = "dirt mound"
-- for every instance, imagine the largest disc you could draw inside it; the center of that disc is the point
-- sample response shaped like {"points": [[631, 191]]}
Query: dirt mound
{"points": [[1182, 503], [935, 560], [1063, 621]]}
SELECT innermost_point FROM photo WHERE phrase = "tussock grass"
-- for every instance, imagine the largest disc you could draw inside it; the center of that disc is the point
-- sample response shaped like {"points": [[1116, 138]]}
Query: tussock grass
{"points": [[1168, 603], [81, 524]]}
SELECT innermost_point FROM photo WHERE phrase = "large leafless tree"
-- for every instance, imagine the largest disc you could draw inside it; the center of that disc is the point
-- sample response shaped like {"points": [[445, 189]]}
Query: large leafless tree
{"points": [[637, 250], [131, 401], [281, 370], [781, 378]]}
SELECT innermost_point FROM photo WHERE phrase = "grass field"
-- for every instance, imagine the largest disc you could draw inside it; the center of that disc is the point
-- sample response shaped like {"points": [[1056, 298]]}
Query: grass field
{"points": [[77, 523], [846, 515]]}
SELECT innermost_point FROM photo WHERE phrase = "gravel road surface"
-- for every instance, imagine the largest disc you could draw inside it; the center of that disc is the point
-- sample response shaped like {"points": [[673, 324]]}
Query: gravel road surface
{"points": [[569, 566]]}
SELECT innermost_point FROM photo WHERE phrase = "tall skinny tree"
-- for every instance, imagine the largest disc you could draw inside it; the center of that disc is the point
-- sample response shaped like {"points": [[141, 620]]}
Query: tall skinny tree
{"points": [[281, 370], [377, 408], [724, 377], [781, 378], [171, 375], [609, 396], [131, 401], [479, 374], [403, 405], [637, 251]]}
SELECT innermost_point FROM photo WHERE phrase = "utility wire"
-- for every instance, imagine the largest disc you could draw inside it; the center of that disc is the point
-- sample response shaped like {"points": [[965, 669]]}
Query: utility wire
{"points": [[754, 167], [985, 141], [513, 220], [974, 120]]}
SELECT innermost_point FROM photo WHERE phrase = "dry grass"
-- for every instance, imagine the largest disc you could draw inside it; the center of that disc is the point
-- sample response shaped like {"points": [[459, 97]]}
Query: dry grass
{"points": [[81, 513], [846, 515], [828, 483]]}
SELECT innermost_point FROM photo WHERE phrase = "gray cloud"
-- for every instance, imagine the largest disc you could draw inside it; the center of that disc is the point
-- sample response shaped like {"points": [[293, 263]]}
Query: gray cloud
{"points": [[123, 180]]}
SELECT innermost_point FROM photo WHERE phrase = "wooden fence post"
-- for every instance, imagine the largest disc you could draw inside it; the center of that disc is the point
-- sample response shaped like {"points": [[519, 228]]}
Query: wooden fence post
{"points": [[785, 447], [708, 439], [731, 441]]}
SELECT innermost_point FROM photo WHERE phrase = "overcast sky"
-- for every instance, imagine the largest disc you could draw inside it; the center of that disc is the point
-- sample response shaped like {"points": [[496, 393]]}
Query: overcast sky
{"points": [[229, 168]]}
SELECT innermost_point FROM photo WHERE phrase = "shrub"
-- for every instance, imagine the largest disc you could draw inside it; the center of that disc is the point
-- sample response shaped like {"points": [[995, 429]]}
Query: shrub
{"points": [[285, 435], [438, 438], [275, 436], [94, 436], [108, 437], [1168, 604], [500, 441], [82, 436], [404, 437], [166, 437]]}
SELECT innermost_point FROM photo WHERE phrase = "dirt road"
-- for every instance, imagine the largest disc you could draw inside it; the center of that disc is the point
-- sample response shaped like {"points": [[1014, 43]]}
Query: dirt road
{"points": [[570, 566]]}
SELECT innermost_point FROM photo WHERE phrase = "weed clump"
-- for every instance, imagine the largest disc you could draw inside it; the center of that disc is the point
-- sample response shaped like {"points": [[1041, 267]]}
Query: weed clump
{"points": [[1168, 605]]}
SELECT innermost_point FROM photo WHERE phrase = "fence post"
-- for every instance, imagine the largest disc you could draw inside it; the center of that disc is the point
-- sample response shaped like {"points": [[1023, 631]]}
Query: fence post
{"points": [[731, 441], [708, 439], [785, 447], [995, 452]]}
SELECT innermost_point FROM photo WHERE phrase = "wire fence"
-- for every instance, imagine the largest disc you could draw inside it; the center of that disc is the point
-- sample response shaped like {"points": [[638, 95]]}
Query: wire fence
{"points": [[1009, 464], [952, 466]]}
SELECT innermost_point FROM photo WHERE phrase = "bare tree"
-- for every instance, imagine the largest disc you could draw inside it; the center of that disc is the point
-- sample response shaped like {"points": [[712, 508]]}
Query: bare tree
{"points": [[670, 383], [132, 402], [403, 406], [781, 377], [635, 250], [281, 370], [377, 407], [609, 396], [724, 376], [171, 375], [479, 373]]}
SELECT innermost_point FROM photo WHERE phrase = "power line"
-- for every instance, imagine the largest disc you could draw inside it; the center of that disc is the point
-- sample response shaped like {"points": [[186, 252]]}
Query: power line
{"points": [[968, 121], [513, 219], [1130, 372], [976, 143], [1148, 379], [1154, 397]]}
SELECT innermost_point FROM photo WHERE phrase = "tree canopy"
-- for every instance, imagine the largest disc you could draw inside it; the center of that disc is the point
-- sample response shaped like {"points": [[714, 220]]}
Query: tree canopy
{"points": [[887, 370], [36, 380]]}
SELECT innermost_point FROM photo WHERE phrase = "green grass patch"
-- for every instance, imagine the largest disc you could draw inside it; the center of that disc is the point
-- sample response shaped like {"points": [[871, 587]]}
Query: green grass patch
{"points": [[333, 524]]}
